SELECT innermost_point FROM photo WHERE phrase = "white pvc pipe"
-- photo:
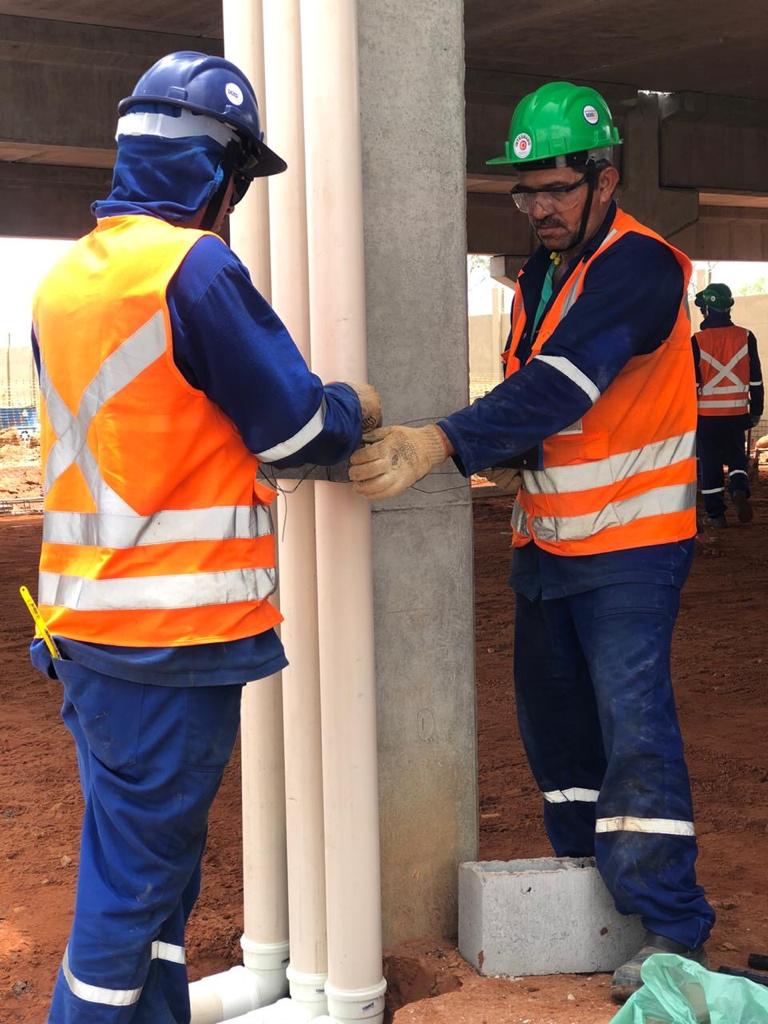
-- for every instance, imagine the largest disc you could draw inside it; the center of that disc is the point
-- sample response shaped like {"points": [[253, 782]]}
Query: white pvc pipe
{"points": [[264, 870], [296, 537], [265, 902], [355, 987], [249, 227]]}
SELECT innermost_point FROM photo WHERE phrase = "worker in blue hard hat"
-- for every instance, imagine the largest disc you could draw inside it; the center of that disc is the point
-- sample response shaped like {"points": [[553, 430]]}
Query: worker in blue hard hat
{"points": [[166, 380], [730, 382]]}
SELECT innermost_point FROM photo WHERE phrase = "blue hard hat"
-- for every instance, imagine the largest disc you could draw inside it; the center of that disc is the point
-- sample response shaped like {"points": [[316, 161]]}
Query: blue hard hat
{"points": [[214, 87]]}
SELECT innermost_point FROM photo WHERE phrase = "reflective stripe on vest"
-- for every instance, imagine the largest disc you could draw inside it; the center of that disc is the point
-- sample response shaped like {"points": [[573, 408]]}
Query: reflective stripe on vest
{"points": [[108, 530], [660, 501], [117, 371], [185, 590], [601, 472]]}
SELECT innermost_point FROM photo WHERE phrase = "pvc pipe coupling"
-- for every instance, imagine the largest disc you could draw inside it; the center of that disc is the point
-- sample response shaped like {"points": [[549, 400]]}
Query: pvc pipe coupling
{"points": [[308, 991], [349, 1006]]}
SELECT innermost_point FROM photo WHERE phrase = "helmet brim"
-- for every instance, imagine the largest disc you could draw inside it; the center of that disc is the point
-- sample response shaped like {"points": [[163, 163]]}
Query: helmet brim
{"points": [[268, 163]]}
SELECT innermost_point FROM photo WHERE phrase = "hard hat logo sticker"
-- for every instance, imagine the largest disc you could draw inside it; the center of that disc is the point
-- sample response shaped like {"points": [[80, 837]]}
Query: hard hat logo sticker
{"points": [[234, 93], [591, 115], [522, 145]]}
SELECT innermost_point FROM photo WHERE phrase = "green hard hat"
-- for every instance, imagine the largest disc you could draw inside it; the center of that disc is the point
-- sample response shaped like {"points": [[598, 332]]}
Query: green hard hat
{"points": [[715, 296], [556, 122]]}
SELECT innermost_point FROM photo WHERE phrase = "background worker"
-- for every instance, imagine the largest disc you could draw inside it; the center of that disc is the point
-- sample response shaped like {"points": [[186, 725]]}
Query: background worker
{"points": [[598, 409], [166, 381], [730, 402]]}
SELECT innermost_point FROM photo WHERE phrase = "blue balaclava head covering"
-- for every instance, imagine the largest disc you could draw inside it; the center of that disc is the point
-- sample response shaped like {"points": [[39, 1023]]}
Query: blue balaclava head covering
{"points": [[169, 163]]}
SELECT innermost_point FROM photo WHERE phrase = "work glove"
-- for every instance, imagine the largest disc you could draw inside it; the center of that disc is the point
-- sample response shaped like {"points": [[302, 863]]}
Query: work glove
{"points": [[370, 404], [393, 458], [505, 479]]}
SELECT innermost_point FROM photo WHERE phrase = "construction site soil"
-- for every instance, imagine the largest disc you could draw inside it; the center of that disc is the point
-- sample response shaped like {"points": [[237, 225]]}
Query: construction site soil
{"points": [[720, 659]]}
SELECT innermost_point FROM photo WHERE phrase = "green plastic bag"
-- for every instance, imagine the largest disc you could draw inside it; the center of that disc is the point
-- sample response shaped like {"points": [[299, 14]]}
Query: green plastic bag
{"points": [[679, 991]]}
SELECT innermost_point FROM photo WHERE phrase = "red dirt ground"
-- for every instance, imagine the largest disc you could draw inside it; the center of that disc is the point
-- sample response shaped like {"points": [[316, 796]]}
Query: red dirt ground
{"points": [[719, 665]]}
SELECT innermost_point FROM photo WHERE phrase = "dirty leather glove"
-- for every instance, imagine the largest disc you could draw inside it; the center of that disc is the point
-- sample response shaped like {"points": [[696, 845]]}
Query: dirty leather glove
{"points": [[370, 404], [506, 479], [393, 458]]}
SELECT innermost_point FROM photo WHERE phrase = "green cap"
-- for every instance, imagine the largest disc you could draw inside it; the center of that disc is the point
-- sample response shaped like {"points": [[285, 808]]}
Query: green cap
{"points": [[556, 121], [715, 296]]}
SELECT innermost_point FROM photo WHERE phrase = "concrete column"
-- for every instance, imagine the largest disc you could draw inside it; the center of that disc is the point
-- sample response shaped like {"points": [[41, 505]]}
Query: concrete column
{"points": [[412, 110]]}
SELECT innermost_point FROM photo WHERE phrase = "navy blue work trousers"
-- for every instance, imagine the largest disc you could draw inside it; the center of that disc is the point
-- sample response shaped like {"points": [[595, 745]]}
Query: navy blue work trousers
{"points": [[598, 721], [151, 759], [721, 446]]}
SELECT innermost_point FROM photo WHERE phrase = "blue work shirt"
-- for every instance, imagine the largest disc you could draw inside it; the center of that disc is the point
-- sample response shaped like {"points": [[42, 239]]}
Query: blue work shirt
{"points": [[629, 305], [229, 343]]}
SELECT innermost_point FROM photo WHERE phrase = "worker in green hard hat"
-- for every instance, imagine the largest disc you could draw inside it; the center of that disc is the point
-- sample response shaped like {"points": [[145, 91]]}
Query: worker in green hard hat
{"points": [[730, 383], [560, 144], [595, 426]]}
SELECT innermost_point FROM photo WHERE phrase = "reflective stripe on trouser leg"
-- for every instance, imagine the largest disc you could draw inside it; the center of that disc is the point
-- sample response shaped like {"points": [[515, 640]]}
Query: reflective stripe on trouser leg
{"points": [[151, 760], [558, 721], [645, 844]]}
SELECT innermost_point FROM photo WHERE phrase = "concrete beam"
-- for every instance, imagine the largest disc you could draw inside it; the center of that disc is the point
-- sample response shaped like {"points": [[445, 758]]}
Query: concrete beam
{"points": [[494, 225], [189, 17], [726, 233], [49, 202], [61, 82], [713, 154]]}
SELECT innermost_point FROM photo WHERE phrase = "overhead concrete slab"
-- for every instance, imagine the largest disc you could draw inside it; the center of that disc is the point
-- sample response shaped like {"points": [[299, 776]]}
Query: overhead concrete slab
{"points": [[703, 47]]}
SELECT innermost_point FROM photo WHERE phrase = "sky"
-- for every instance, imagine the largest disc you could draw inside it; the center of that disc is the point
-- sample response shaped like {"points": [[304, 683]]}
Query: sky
{"points": [[480, 285], [24, 263]]}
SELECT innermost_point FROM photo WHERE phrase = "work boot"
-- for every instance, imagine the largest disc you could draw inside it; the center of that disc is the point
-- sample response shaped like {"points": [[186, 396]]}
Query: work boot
{"points": [[717, 522], [743, 505], [626, 979]]}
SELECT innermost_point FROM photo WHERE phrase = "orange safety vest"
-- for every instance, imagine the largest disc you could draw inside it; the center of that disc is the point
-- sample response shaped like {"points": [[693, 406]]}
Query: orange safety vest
{"points": [[724, 368], [623, 476], [156, 532]]}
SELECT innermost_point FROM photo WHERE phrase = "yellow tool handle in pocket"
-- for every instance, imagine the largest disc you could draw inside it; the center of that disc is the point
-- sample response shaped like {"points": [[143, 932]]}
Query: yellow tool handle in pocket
{"points": [[41, 630]]}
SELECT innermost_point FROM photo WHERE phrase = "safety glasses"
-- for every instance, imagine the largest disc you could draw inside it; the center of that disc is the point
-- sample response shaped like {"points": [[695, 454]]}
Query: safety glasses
{"points": [[558, 197]]}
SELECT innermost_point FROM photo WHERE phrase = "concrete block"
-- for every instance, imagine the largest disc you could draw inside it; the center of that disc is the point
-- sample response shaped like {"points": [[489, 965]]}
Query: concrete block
{"points": [[552, 915]]}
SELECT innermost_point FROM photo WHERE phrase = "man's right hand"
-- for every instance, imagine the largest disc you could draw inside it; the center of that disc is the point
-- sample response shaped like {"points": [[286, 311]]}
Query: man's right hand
{"points": [[370, 404]]}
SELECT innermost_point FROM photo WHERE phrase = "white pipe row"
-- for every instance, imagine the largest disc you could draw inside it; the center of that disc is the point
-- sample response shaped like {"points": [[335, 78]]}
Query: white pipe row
{"points": [[311, 263]]}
